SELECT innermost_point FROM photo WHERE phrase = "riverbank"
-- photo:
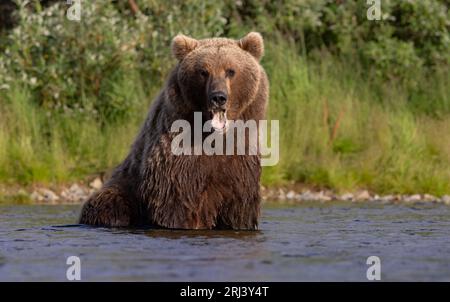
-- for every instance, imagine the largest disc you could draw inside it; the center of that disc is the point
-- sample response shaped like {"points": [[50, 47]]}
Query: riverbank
{"points": [[78, 192]]}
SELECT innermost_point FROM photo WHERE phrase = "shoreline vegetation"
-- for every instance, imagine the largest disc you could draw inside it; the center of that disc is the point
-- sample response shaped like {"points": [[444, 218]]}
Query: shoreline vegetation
{"points": [[363, 106]]}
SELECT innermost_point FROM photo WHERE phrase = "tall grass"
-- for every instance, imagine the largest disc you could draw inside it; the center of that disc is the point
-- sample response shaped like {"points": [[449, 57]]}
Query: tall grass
{"points": [[36, 146], [338, 129], [342, 131]]}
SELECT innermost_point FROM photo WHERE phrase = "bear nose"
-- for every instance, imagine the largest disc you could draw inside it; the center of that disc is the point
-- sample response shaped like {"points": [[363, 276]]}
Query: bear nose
{"points": [[218, 98]]}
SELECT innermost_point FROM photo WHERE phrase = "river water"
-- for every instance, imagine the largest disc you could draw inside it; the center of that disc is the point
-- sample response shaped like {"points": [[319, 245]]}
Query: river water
{"points": [[308, 242]]}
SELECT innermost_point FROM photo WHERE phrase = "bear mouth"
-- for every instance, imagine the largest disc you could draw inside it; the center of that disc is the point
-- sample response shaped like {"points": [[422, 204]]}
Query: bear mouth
{"points": [[219, 120]]}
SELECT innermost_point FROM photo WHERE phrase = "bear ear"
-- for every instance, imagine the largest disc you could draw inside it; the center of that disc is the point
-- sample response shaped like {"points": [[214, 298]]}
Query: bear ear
{"points": [[253, 43], [182, 45]]}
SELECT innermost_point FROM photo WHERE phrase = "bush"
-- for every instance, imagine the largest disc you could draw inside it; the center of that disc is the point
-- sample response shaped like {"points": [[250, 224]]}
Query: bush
{"points": [[410, 32], [70, 66], [86, 66]]}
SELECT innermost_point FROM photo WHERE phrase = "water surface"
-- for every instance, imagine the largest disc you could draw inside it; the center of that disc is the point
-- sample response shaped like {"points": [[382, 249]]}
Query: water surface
{"points": [[308, 242]]}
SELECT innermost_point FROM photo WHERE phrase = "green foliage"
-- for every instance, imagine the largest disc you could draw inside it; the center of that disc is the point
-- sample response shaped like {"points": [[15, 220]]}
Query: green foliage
{"points": [[70, 66], [91, 65], [410, 34]]}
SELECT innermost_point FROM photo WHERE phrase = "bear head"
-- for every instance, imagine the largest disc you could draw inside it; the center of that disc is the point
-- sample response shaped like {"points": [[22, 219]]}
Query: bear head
{"points": [[219, 77]]}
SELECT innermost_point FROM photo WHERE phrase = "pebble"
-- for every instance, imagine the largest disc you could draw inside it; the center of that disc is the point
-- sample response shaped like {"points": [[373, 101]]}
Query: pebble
{"points": [[306, 196], [446, 199], [44, 195], [281, 194], [75, 194], [413, 198], [35, 196], [428, 197], [96, 184], [290, 195], [322, 197], [347, 197], [362, 196]]}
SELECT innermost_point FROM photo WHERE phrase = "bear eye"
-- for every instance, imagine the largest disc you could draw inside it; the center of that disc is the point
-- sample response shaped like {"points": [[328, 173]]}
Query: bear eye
{"points": [[204, 73], [230, 73]]}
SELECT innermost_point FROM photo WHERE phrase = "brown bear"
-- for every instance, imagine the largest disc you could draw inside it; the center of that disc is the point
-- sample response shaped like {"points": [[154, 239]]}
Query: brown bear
{"points": [[222, 79]]}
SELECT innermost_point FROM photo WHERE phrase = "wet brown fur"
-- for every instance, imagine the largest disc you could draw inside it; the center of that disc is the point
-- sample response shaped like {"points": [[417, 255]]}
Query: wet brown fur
{"points": [[152, 186]]}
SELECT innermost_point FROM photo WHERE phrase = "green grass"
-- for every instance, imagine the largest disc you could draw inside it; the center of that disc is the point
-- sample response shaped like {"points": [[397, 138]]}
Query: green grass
{"points": [[343, 132], [36, 146], [338, 130]]}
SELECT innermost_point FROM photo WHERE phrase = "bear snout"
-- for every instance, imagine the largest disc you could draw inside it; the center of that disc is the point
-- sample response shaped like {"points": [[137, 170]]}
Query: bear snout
{"points": [[218, 99]]}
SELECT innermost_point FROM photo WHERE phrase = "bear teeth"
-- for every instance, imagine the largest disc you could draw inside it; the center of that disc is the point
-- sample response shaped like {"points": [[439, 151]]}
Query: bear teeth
{"points": [[219, 120]]}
